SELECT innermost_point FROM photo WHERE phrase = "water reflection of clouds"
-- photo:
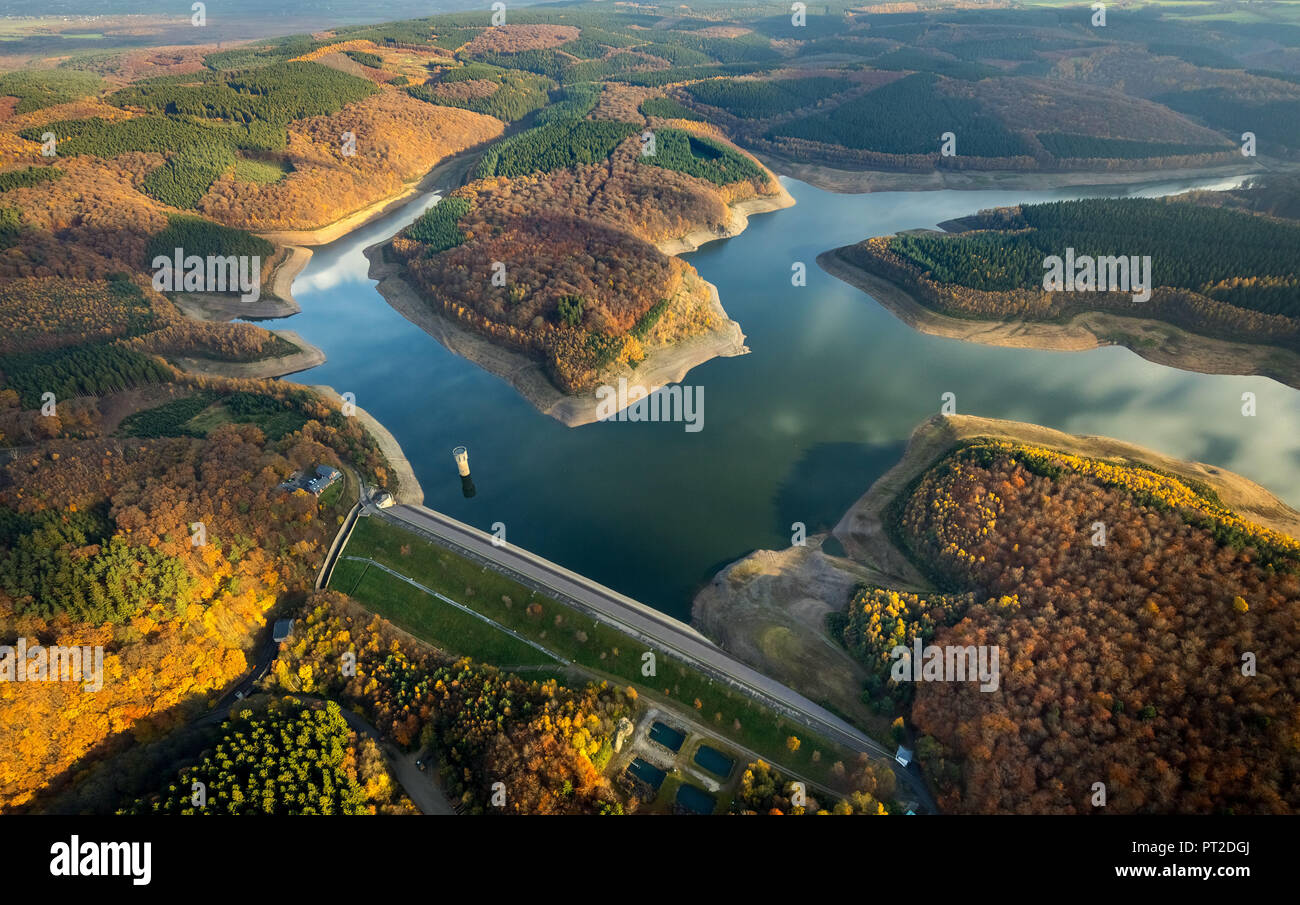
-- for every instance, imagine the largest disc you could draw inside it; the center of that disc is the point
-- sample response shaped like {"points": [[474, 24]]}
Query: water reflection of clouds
{"points": [[342, 263], [1110, 391], [835, 384], [323, 281], [1187, 415], [788, 423]]}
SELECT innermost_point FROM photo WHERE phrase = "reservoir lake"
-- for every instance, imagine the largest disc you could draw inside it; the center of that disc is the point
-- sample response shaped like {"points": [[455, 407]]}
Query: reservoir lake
{"points": [[795, 431]]}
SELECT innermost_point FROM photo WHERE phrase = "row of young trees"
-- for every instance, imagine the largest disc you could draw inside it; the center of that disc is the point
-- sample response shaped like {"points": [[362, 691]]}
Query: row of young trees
{"points": [[1066, 144], [173, 639], [152, 132], [186, 176], [41, 314], [278, 93], [28, 177], [37, 89], [702, 157], [1192, 311], [55, 567], [436, 228], [289, 759], [202, 237], [758, 99], [98, 514], [87, 370], [581, 291], [397, 140], [765, 790], [555, 145], [516, 94]]}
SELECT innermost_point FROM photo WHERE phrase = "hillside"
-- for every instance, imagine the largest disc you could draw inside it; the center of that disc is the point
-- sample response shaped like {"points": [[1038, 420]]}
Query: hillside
{"points": [[153, 497], [985, 534], [1171, 712], [1222, 292], [554, 249]]}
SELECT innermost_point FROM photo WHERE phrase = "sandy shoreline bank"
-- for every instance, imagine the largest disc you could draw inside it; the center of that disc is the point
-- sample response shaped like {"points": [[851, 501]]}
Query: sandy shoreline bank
{"points": [[862, 533], [769, 608], [271, 302], [524, 374], [737, 221], [219, 308], [448, 174], [279, 302], [1154, 340], [307, 357], [662, 366], [854, 182], [452, 169]]}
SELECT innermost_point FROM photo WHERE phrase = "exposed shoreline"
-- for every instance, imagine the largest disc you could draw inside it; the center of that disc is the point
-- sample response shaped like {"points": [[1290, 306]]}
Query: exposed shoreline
{"points": [[454, 166], [274, 303], [212, 306], [1155, 340], [450, 171], [861, 530], [661, 366], [285, 272], [768, 608], [307, 357], [738, 215], [279, 303], [856, 182]]}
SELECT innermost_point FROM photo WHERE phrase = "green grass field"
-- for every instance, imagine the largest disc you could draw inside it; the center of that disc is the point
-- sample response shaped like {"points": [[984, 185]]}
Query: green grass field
{"points": [[275, 424], [570, 633], [430, 619], [332, 494]]}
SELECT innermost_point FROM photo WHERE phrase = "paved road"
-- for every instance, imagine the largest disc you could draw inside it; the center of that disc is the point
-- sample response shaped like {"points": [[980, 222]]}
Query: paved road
{"points": [[649, 626], [418, 784], [261, 665]]}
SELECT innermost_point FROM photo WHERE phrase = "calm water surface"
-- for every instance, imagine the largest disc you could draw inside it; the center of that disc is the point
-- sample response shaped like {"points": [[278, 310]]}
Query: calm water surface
{"points": [[795, 431]]}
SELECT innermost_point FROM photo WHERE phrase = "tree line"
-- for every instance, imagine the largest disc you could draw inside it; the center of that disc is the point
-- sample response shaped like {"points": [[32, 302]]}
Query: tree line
{"points": [[1192, 246]]}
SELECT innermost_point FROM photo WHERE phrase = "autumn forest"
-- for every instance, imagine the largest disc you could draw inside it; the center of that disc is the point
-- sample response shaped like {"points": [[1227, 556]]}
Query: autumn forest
{"points": [[177, 495]]}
